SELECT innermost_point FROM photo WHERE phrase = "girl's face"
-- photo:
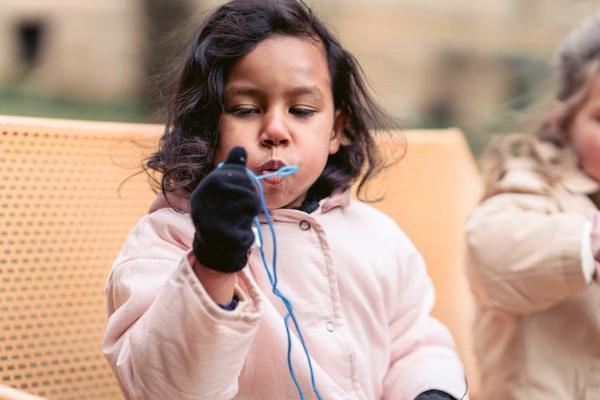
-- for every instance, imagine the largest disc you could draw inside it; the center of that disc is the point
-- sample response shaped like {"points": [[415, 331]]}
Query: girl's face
{"points": [[279, 107], [584, 132]]}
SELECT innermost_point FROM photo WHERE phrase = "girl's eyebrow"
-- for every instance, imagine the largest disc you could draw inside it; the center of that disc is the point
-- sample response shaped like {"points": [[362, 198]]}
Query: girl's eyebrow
{"points": [[242, 90], [310, 90]]}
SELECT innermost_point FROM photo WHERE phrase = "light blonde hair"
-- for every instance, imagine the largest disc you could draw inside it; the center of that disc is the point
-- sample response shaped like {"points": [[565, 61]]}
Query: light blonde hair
{"points": [[577, 63]]}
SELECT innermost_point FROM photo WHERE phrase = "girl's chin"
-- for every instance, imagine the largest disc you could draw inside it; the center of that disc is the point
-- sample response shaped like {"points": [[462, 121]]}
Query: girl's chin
{"points": [[280, 200]]}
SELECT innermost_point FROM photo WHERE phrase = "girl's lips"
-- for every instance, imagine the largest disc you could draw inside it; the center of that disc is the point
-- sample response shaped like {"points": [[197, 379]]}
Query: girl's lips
{"points": [[270, 167], [273, 180]]}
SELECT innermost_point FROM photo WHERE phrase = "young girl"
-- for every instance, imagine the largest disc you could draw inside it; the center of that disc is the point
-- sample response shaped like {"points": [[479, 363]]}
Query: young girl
{"points": [[534, 244], [192, 312]]}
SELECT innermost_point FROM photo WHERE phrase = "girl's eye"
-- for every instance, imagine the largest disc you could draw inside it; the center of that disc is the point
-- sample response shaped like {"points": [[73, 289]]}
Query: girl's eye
{"points": [[243, 111], [302, 111]]}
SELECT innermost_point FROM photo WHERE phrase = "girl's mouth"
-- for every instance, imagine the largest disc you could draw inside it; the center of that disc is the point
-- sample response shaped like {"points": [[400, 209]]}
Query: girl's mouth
{"points": [[273, 180], [270, 167]]}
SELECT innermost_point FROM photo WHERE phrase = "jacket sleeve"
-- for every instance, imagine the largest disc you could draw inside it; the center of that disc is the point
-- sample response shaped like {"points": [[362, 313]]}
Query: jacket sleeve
{"points": [[167, 339], [423, 355], [525, 255]]}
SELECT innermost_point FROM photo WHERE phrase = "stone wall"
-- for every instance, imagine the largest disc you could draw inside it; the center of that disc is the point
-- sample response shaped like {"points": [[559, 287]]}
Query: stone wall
{"points": [[77, 48]]}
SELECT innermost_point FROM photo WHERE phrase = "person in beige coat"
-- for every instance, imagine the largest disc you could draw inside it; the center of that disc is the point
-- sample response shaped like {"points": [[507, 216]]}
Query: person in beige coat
{"points": [[534, 244]]}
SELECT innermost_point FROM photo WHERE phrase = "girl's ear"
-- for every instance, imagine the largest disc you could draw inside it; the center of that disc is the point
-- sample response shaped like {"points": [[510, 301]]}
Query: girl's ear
{"points": [[337, 134]]}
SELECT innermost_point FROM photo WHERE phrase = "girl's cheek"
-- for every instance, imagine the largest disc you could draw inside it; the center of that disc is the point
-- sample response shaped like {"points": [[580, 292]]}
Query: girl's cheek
{"points": [[590, 157]]}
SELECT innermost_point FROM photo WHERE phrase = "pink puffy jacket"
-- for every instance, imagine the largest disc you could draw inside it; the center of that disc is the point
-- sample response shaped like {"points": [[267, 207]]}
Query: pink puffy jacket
{"points": [[359, 290]]}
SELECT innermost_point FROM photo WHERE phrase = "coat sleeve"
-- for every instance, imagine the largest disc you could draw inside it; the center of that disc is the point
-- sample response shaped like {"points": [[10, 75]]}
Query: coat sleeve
{"points": [[423, 355], [167, 339], [525, 255]]}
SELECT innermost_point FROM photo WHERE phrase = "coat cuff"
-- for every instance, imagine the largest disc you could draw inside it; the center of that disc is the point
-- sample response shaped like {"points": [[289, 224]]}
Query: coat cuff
{"points": [[588, 263], [231, 306], [249, 304]]}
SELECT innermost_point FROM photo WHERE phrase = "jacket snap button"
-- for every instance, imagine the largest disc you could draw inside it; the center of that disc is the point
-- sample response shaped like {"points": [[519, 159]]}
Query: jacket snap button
{"points": [[329, 326], [304, 225]]}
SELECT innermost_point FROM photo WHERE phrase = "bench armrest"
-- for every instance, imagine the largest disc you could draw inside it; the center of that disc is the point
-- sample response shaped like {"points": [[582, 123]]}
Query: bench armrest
{"points": [[8, 393]]}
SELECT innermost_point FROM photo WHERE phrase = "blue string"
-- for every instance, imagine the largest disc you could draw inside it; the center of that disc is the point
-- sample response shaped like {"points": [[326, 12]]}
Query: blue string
{"points": [[283, 172], [273, 279]]}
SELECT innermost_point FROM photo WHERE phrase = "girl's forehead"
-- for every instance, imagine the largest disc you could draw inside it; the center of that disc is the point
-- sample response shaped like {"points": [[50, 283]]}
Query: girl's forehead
{"points": [[283, 61]]}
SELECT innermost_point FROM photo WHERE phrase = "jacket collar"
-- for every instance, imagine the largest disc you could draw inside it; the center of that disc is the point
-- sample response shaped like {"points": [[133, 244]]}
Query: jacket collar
{"points": [[568, 170], [574, 179], [578, 182], [173, 200], [338, 199]]}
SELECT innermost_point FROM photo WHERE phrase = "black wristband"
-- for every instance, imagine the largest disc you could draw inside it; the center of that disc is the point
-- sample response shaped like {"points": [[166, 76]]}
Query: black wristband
{"points": [[231, 306]]}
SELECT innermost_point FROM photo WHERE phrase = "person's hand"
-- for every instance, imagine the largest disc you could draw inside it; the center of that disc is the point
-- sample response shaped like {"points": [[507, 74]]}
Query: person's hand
{"points": [[222, 208]]}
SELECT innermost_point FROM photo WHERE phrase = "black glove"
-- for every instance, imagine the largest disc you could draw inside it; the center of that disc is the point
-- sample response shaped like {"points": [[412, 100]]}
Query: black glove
{"points": [[434, 395], [222, 209]]}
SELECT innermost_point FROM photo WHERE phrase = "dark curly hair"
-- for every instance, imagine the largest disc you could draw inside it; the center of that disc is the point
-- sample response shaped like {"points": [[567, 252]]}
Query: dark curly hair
{"points": [[187, 147]]}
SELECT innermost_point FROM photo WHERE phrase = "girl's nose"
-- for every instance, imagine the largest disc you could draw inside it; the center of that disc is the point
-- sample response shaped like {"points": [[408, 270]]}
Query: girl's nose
{"points": [[274, 132]]}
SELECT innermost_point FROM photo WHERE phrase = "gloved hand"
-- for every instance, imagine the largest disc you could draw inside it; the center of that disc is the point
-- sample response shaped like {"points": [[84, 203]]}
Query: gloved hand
{"points": [[596, 238], [222, 209], [434, 395]]}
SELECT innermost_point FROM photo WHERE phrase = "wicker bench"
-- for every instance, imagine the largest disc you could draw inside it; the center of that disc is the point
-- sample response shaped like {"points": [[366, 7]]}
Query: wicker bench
{"points": [[63, 219]]}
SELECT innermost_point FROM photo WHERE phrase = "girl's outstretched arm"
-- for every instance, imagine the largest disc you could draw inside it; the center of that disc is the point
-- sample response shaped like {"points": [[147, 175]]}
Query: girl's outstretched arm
{"points": [[219, 286], [166, 337]]}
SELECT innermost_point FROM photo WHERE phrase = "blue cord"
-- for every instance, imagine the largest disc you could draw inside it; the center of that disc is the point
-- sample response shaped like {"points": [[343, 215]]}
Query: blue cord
{"points": [[284, 171], [273, 279]]}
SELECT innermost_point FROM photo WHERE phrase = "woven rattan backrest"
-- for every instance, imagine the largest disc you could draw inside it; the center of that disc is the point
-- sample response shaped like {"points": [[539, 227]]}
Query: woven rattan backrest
{"points": [[62, 222]]}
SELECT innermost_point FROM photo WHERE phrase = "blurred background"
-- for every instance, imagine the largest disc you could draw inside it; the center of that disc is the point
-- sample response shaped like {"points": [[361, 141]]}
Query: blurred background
{"points": [[484, 66]]}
